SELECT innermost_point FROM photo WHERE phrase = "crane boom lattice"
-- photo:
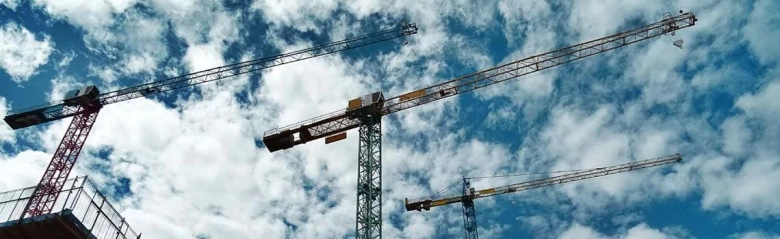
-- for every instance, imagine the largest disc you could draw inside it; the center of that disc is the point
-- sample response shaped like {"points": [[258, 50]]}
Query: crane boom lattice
{"points": [[60, 109], [435, 201], [338, 121], [469, 194]]}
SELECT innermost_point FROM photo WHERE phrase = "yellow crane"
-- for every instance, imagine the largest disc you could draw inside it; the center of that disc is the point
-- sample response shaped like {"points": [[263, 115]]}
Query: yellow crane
{"points": [[469, 193]]}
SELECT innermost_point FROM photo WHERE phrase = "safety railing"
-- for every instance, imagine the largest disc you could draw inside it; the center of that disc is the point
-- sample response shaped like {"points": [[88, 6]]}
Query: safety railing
{"points": [[85, 202]]}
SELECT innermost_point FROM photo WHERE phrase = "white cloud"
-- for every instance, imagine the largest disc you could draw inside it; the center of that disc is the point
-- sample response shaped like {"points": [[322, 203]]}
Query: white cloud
{"points": [[91, 15], [736, 136], [291, 91], [21, 53], [202, 57], [593, 18], [95, 17], [641, 231], [142, 43], [531, 27], [762, 105], [726, 77], [764, 26], [301, 14], [589, 137], [569, 140], [22, 170], [524, 20], [10, 3], [653, 71], [430, 45], [61, 85], [6, 133], [177, 8], [754, 235], [579, 231], [115, 30], [748, 190], [626, 219], [136, 39], [207, 31], [306, 15], [105, 73]]}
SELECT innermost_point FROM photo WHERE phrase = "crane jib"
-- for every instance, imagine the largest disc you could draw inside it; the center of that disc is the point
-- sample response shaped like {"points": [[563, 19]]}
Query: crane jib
{"points": [[61, 109], [429, 202], [335, 123]]}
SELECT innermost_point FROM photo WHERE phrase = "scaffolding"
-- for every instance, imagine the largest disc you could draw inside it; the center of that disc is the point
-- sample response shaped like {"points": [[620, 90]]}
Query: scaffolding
{"points": [[81, 211]]}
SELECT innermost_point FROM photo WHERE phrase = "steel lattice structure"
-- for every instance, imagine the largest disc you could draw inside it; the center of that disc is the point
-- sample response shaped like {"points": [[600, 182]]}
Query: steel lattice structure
{"points": [[469, 213], [335, 124], [369, 181], [469, 193], [86, 106], [62, 162], [338, 121], [427, 203]]}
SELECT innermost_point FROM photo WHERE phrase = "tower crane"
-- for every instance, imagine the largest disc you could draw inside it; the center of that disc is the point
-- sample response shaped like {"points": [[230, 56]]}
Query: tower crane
{"points": [[366, 112], [469, 193], [84, 105]]}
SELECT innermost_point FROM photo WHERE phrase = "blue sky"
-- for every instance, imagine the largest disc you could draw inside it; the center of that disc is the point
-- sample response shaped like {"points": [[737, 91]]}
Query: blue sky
{"points": [[190, 164]]}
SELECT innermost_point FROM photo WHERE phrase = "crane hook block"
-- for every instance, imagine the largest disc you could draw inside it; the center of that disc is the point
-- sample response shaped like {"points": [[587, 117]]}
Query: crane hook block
{"points": [[678, 43]]}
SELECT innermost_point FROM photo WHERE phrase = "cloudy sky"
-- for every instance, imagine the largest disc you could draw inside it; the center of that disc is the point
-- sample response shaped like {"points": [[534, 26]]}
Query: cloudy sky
{"points": [[191, 164]]}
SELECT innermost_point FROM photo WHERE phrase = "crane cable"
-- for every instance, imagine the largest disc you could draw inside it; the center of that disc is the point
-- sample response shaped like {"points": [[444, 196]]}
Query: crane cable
{"points": [[440, 192], [528, 174]]}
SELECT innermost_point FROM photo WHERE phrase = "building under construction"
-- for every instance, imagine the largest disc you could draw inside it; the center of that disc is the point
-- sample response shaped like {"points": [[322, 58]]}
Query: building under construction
{"points": [[81, 211]]}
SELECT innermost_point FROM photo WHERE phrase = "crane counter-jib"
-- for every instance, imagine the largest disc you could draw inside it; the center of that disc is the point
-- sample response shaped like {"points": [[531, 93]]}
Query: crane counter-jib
{"points": [[327, 125]]}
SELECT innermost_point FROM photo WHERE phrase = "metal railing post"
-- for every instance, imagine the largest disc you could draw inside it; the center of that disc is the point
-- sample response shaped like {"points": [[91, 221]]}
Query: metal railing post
{"points": [[16, 204], [98, 214], [72, 187]]}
